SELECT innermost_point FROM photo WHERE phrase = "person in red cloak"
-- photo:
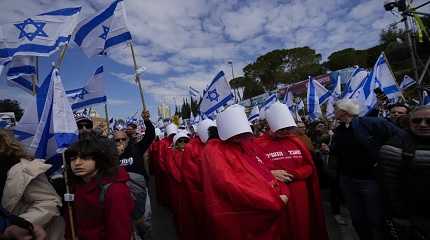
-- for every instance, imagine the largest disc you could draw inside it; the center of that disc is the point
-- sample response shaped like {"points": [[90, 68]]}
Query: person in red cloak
{"points": [[243, 200], [164, 145], [291, 162], [175, 183], [191, 177]]}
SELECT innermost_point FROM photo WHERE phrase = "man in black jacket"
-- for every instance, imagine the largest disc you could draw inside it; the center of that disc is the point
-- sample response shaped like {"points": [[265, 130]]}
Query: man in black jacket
{"points": [[356, 144], [131, 157], [405, 171]]}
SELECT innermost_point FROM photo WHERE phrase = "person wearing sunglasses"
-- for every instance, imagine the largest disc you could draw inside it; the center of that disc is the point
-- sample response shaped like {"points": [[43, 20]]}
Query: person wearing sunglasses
{"points": [[131, 157], [405, 169], [85, 124]]}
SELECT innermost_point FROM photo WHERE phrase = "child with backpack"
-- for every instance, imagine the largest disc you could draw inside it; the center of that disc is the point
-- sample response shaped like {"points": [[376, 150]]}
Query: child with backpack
{"points": [[103, 205]]}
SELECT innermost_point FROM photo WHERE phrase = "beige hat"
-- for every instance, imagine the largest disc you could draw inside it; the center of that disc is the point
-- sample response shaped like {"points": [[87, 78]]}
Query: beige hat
{"points": [[278, 116], [171, 129], [232, 122], [202, 129]]}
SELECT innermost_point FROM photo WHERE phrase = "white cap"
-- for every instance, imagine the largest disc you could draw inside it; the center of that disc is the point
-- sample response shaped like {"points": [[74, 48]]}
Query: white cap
{"points": [[202, 129], [180, 134], [232, 122], [278, 116], [158, 132], [171, 129]]}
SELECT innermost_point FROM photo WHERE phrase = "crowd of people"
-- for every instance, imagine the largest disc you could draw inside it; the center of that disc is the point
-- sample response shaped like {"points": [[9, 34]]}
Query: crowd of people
{"points": [[228, 178]]}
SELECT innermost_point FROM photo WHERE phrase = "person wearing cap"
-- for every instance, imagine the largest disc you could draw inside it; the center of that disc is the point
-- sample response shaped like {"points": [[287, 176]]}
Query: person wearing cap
{"points": [[164, 145], [355, 145], [291, 162], [242, 198], [191, 177], [131, 158], [175, 183]]}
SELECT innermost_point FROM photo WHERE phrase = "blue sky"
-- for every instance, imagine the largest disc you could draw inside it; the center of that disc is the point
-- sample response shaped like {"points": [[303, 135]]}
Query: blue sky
{"points": [[183, 43]]}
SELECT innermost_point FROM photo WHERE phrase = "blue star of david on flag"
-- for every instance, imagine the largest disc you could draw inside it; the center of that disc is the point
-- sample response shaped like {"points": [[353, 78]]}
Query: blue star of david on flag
{"points": [[213, 95], [81, 94], [105, 33], [38, 31]]}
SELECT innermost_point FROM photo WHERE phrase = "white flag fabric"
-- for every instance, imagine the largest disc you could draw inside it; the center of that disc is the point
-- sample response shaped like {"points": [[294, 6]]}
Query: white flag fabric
{"points": [[322, 92], [407, 82], [337, 91], [21, 71], [385, 78], [357, 77], [92, 93], [254, 115], [269, 101], [194, 93], [289, 99], [48, 125], [330, 107], [312, 100], [98, 33], [216, 95], [39, 35], [365, 95]]}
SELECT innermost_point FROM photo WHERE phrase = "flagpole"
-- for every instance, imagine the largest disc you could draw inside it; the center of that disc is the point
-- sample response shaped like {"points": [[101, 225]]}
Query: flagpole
{"points": [[107, 119], [68, 199], [61, 57], [137, 77], [35, 78]]}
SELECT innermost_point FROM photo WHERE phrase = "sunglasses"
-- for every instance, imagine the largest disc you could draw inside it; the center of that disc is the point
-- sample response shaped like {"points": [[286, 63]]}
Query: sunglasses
{"points": [[120, 139], [420, 120]]}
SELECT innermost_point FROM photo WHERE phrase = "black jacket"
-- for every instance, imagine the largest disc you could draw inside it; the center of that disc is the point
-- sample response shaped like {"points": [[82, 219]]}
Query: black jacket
{"points": [[132, 157]]}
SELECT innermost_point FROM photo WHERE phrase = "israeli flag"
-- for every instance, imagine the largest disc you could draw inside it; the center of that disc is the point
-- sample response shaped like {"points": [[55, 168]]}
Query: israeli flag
{"points": [[92, 93], [330, 107], [385, 78], [48, 125], [194, 93], [289, 99], [40, 35], [426, 98], [407, 82], [97, 34], [337, 91], [313, 103], [269, 101], [322, 92], [254, 115], [365, 95], [358, 75], [21, 72], [216, 95]]}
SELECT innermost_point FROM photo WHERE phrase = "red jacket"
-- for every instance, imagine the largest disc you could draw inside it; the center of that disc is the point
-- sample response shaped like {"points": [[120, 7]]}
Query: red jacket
{"points": [[305, 212], [241, 201], [111, 220]]}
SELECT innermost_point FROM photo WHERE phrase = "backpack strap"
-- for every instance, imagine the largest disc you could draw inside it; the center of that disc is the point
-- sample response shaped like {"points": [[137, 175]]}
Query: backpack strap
{"points": [[103, 190]]}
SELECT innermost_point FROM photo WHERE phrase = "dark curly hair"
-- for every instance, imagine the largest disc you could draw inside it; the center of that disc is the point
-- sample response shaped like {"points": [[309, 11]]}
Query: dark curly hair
{"points": [[98, 148]]}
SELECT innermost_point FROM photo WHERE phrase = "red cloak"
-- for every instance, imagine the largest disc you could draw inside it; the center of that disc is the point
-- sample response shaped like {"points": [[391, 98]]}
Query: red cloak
{"points": [[161, 187], [306, 216], [241, 201], [193, 189]]}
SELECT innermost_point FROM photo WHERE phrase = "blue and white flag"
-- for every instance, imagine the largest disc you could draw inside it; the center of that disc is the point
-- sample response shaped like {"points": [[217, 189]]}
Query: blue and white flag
{"points": [[194, 93], [312, 100], [329, 114], [269, 101], [40, 35], [365, 95], [322, 92], [216, 95], [92, 93], [289, 99], [407, 82], [337, 91], [48, 125], [98, 33], [254, 115], [21, 73], [426, 98], [358, 75], [385, 78]]}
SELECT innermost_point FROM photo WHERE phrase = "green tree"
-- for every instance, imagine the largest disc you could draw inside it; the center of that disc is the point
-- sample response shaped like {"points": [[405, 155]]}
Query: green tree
{"points": [[9, 105]]}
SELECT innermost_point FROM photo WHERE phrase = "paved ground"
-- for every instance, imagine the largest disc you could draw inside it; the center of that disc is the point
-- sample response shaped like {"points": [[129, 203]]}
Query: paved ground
{"points": [[164, 229]]}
